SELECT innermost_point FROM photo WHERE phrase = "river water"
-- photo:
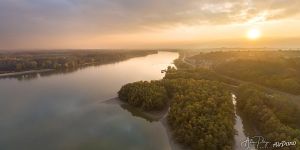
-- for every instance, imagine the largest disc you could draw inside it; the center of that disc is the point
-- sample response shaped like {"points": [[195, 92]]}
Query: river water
{"points": [[69, 111], [240, 139]]}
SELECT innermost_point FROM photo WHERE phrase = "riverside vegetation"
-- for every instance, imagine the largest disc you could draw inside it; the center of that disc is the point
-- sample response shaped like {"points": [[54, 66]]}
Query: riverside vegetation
{"points": [[201, 114], [11, 62]]}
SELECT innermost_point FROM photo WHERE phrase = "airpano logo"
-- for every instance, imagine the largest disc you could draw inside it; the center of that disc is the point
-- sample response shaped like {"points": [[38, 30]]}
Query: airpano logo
{"points": [[284, 144]]}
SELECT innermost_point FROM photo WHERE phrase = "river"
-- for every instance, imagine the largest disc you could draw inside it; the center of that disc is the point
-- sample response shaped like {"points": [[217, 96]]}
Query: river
{"points": [[69, 111], [240, 137]]}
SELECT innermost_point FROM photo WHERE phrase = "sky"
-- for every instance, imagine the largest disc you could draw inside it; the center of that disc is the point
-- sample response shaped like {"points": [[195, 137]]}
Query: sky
{"points": [[148, 24]]}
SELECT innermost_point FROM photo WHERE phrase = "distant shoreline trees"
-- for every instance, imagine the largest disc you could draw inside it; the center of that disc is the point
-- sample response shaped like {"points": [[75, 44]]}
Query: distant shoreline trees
{"points": [[26, 61]]}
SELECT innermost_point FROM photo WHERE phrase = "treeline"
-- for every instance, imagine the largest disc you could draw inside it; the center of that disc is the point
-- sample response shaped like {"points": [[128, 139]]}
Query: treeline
{"points": [[201, 112], [25, 61], [275, 118]]}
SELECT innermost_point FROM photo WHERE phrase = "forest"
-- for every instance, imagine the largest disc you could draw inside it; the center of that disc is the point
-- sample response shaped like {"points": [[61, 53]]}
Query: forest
{"points": [[282, 75], [37, 60], [201, 112], [275, 118]]}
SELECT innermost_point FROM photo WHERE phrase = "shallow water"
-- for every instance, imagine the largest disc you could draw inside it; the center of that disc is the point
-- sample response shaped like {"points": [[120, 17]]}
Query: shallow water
{"points": [[68, 111]]}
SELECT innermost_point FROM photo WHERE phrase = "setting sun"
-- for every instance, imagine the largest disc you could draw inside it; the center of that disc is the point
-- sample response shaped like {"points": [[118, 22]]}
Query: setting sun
{"points": [[253, 34]]}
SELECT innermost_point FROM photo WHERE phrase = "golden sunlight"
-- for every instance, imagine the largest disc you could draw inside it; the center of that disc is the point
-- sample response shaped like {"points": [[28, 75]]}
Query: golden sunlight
{"points": [[253, 34]]}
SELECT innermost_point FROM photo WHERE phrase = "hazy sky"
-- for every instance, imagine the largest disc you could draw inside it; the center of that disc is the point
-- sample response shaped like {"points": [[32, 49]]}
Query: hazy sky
{"points": [[51, 24]]}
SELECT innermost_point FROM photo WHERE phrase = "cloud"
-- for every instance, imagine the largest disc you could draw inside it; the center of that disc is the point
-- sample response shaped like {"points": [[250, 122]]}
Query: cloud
{"points": [[21, 19]]}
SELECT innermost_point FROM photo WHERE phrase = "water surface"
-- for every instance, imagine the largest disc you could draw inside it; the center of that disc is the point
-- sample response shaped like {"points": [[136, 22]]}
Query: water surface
{"points": [[68, 111], [239, 126]]}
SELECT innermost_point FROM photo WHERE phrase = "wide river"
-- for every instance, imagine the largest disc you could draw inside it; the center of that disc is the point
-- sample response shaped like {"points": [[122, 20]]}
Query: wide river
{"points": [[70, 111]]}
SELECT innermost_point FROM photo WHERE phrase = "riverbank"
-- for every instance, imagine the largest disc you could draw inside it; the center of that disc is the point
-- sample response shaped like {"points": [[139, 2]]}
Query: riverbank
{"points": [[151, 116], [24, 72], [173, 143]]}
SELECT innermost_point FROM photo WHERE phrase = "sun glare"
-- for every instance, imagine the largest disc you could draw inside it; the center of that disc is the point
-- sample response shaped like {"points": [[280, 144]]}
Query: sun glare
{"points": [[253, 34]]}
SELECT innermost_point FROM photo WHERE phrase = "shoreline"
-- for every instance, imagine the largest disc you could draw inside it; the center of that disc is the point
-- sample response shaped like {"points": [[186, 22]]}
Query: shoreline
{"points": [[173, 143], [158, 116], [149, 116], [24, 72]]}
